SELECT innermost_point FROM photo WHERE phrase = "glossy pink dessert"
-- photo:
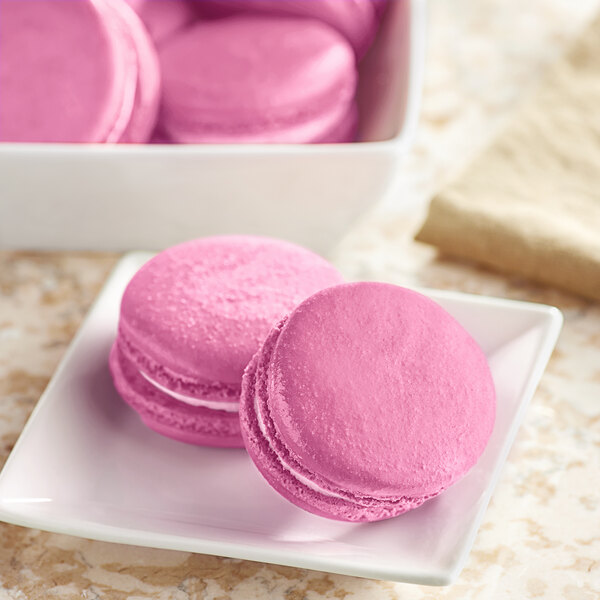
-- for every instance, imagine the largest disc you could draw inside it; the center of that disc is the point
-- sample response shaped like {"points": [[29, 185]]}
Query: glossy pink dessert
{"points": [[191, 319], [356, 20], [368, 400], [75, 72], [249, 79]]}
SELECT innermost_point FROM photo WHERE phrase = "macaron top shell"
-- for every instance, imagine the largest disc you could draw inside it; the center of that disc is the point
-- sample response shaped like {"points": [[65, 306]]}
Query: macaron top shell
{"points": [[357, 20], [201, 309], [378, 391], [51, 93], [253, 74]]}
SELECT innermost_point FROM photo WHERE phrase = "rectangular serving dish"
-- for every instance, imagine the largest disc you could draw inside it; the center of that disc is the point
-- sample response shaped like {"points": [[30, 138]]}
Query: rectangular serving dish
{"points": [[85, 464], [119, 197]]}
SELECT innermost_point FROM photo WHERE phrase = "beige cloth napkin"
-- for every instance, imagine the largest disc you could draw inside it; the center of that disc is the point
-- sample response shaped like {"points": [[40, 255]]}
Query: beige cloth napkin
{"points": [[530, 204]]}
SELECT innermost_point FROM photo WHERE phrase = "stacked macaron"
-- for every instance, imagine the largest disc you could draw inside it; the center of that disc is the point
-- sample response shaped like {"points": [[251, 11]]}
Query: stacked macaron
{"points": [[191, 320], [356, 402], [275, 80], [267, 71], [232, 71], [81, 71]]}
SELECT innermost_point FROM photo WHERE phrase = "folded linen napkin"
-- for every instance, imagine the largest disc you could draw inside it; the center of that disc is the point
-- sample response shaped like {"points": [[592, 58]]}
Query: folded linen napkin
{"points": [[530, 204]]}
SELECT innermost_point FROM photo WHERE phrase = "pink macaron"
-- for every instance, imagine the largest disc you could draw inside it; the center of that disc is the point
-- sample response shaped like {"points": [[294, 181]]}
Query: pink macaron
{"points": [[258, 79], [366, 401], [191, 319], [356, 20], [77, 71]]}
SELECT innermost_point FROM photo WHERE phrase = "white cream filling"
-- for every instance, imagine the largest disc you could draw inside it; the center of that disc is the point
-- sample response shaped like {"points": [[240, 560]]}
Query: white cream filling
{"points": [[298, 476], [213, 405]]}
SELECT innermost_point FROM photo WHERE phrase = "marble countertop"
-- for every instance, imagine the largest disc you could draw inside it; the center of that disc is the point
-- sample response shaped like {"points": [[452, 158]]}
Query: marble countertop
{"points": [[541, 534]]}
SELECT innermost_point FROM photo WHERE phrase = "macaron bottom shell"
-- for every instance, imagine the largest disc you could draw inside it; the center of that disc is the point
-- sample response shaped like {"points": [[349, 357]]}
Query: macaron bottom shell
{"points": [[284, 474], [170, 417], [333, 126]]}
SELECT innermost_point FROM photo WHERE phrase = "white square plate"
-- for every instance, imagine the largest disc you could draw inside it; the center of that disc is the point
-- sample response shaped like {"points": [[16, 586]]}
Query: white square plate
{"points": [[86, 466]]}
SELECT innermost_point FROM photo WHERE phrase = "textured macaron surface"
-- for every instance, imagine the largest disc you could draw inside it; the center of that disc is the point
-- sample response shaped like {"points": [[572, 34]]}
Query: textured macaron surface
{"points": [[249, 78], [63, 72], [372, 393], [147, 92], [201, 309]]}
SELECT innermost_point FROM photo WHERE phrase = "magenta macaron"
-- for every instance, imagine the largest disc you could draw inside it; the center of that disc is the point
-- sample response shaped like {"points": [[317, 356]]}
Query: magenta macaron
{"points": [[366, 401], [75, 71], [191, 319], [258, 79]]}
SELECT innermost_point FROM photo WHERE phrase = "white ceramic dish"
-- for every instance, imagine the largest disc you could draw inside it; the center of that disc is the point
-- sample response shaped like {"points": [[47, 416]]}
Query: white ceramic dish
{"points": [[125, 197], [86, 466]]}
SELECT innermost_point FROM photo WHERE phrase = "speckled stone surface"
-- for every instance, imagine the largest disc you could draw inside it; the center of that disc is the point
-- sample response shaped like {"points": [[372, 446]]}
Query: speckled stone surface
{"points": [[541, 535]]}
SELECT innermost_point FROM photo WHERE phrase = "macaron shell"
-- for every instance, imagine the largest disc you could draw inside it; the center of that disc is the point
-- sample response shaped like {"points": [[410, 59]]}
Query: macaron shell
{"points": [[51, 93], [255, 79], [377, 391], [354, 19], [337, 125], [270, 456], [201, 309], [169, 417]]}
